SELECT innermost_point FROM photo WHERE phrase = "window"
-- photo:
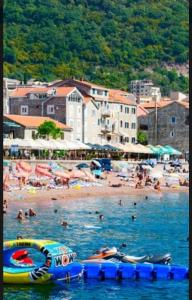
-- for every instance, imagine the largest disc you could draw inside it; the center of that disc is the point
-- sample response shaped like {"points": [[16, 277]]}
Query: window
{"points": [[79, 110], [24, 109], [94, 91], [133, 110], [126, 110], [133, 125], [126, 125], [100, 92], [50, 109], [121, 123], [62, 135], [133, 140], [173, 120], [33, 134], [126, 140], [172, 134], [71, 123], [98, 122], [105, 93], [121, 108]]}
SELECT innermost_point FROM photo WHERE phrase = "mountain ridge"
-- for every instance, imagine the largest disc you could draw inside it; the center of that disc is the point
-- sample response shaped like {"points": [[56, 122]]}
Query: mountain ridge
{"points": [[108, 41]]}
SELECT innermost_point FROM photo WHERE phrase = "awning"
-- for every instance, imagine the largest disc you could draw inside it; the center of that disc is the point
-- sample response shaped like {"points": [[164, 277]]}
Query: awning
{"points": [[172, 150], [11, 124]]}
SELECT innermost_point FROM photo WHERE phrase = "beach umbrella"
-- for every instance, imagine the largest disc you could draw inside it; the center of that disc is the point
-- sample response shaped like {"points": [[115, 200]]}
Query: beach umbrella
{"points": [[110, 147], [44, 166], [82, 166], [95, 162], [172, 150], [61, 174], [77, 174], [42, 172], [25, 166]]}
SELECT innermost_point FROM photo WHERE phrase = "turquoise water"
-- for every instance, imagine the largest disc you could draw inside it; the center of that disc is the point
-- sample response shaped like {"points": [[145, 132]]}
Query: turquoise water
{"points": [[161, 226]]}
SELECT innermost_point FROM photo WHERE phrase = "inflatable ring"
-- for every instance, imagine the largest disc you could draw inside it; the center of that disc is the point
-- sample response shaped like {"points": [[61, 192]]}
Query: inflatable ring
{"points": [[57, 256]]}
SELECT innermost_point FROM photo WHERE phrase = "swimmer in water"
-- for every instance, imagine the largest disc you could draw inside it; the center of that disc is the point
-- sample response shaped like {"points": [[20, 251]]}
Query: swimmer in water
{"points": [[55, 210], [146, 197], [135, 203], [101, 217], [133, 217], [26, 214], [32, 213], [20, 215], [64, 224], [19, 237], [120, 202], [97, 212]]}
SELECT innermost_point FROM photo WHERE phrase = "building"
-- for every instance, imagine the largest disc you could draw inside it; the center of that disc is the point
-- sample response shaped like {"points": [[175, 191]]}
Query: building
{"points": [[112, 113], [25, 127], [96, 114], [144, 90], [168, 125], [8, 86], [63, 104], [178, 96]]}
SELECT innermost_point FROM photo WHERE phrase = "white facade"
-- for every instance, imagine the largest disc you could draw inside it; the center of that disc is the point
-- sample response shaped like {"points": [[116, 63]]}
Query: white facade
{"points": [[74, 114], [8, 86]]}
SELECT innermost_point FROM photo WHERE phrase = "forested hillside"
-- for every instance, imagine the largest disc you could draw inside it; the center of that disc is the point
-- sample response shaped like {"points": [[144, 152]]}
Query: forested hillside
{"points": [[107, 41]]}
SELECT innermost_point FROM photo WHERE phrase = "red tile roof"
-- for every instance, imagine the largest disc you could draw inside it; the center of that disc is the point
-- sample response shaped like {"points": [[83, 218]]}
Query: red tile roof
{"points": [[120, 96], [141, 111], [162, 103], [152, 104], [34, 121], [23, 91], [90, 84]]}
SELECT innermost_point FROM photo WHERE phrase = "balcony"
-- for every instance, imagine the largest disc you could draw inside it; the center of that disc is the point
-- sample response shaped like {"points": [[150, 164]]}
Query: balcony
{"points": [[106, 129], [106, 113]]}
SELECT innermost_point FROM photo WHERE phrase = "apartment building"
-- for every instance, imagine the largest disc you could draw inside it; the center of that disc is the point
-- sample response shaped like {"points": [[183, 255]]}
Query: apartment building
{"points": [[109, 115], [63, 104], [144, 90]]}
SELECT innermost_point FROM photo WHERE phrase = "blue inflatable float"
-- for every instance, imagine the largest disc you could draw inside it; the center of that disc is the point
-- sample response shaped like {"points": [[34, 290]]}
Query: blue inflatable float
{"points": [[59, 265]]}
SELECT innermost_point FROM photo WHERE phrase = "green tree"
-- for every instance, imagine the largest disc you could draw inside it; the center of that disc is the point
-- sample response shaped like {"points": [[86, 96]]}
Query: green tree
{"points": [[48, 129], [142, 138]]}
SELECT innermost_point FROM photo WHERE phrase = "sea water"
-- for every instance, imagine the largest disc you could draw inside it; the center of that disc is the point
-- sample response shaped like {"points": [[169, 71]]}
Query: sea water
{"points": [[161, 226]]}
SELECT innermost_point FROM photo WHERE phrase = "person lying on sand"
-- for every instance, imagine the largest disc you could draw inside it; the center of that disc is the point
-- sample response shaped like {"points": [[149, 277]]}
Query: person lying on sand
{"points": [[116, 185]]}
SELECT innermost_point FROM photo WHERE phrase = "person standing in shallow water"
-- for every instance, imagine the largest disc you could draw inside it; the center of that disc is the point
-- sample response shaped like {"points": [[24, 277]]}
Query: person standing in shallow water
{"points": [[101, 217], [20, 215]]}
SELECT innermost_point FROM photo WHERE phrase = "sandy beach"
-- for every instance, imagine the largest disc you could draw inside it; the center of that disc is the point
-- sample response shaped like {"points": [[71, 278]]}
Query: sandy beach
{"points": [[93, 191]]}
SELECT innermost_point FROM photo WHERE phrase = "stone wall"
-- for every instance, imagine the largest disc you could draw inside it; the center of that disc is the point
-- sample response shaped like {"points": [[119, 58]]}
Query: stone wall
{"points": [[169, 133]]}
